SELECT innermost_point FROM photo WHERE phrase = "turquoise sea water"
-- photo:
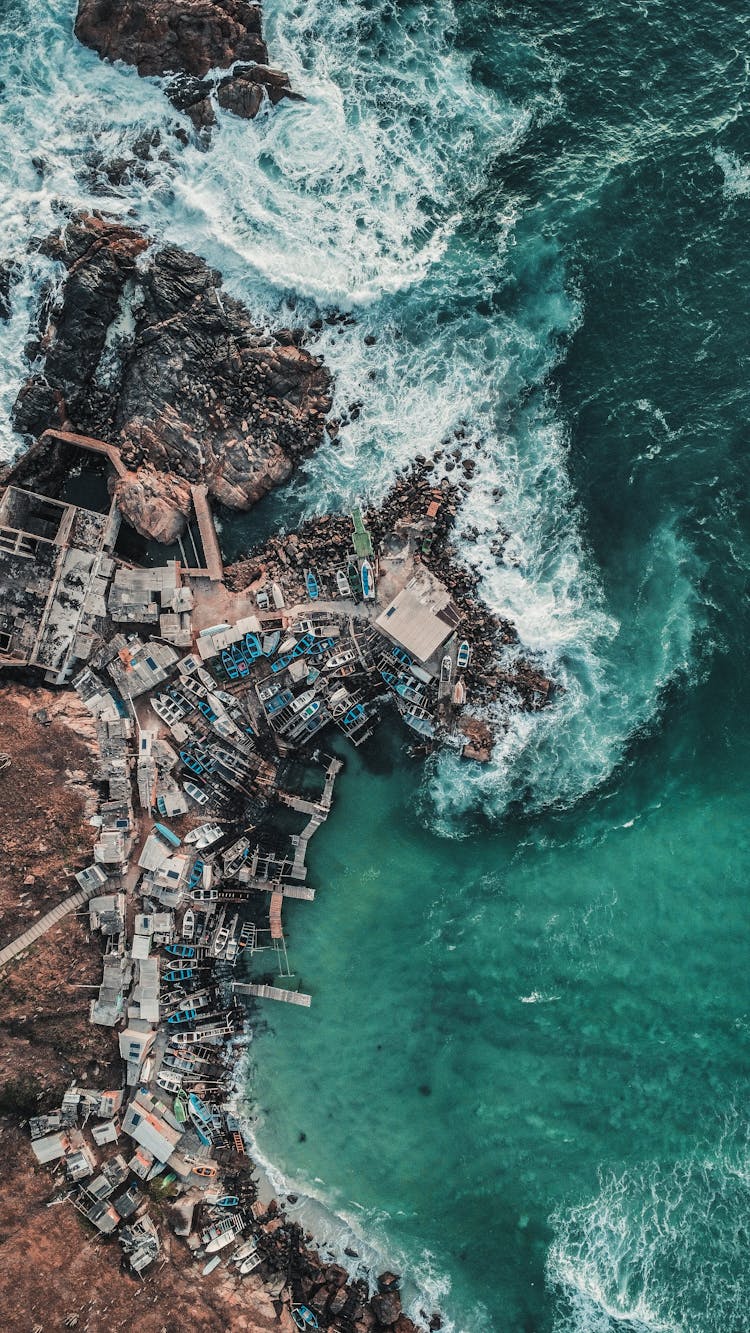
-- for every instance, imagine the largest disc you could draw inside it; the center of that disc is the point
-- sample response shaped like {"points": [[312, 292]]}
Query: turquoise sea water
{"points": [[524, 1074]]}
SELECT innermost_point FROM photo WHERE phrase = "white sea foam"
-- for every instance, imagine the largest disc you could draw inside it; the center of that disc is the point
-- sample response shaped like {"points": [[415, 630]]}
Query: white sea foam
{"points": [[736, 174], [658, 1249]]}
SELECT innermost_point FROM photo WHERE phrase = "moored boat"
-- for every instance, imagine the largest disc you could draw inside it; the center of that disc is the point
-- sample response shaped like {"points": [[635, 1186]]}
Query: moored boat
{"points": [[368, 581], [304, 1317], [464, 653], [342, 583], [446, 666], [188, 925]]}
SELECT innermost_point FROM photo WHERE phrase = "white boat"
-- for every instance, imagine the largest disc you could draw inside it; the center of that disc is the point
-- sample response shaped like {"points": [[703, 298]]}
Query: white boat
{"points": [[188, 925], [211, 1265], [249, 1264], [342, 583], [368, 581], [301, 701], [228, 1231], [464, 653], [278, 596], [446, 667]]}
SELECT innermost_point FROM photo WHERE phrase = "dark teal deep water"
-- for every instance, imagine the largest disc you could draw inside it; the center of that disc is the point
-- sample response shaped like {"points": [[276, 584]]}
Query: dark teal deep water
{"points": [[524, 1074]]}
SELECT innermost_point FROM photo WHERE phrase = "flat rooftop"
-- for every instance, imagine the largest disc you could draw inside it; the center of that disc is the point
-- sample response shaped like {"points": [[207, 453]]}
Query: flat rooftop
{"points": [[421, 617]]}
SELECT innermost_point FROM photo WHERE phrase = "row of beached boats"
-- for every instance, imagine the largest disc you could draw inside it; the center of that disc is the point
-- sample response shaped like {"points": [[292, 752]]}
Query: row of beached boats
{"points": [[357, 581]]}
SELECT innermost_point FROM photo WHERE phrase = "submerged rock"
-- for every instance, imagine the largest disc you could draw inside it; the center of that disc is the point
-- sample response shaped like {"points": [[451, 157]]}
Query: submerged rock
{"points": [[144, 350]]}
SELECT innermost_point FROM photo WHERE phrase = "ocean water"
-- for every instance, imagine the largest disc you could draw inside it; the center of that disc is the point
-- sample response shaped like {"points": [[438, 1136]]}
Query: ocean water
{"points": [[523, 1078]]}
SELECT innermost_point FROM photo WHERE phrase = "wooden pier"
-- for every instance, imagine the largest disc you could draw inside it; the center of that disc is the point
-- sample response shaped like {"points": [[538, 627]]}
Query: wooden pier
{"points": [[272, 993]]}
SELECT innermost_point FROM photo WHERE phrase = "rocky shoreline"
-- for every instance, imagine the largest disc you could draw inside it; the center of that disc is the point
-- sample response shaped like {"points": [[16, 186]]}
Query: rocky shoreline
{"points": [[141, 348], [185, 42]]}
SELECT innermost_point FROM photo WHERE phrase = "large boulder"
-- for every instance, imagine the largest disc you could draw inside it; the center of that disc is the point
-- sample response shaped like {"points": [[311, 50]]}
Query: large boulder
{"points": [[156, 504], [186, 39], [171, 36], [143, 349]]}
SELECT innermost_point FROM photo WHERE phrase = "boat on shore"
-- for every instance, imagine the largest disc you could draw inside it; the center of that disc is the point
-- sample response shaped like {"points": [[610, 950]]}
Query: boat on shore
{"points": [[188, 925], [311, 583], [464, 654], [446, 667], [368, 581], [304, 1317], [342, 583]]}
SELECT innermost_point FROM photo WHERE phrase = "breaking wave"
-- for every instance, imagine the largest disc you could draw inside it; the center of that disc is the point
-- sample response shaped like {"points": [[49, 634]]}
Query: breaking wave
{"points": [[659, 1249]]}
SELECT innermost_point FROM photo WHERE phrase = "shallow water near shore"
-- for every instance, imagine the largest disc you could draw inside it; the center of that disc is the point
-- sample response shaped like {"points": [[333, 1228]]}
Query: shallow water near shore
{"points": [[524, 1073]]}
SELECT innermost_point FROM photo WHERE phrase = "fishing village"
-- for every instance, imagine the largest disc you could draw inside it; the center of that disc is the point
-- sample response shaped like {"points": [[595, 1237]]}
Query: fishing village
{"points": [[215, 695]]}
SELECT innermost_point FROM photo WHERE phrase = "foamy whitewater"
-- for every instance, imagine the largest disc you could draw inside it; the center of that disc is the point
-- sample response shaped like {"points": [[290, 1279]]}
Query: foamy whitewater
{"points": [[540, 215]]}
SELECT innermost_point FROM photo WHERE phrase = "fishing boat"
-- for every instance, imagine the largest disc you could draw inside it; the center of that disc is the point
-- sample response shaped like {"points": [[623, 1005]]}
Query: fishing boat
{"points": [[304, 1317], [278, 596], [169, 1081], [196, 793], [180, 950], [183, 1016], [226, 1201], [355, 582], [242, 666], [248, 1264], [178, 974], [301, 701], [464, 653], [368, 581], [211, 1265], [229, 665], [311, 583], [188, 925], [354, 715], [418, 723], [459, 693], [253, 646], [311, 708], [271, 643], [446, 666], [342, 583], [201, 1118], [226, 1234], [179, 1110]]}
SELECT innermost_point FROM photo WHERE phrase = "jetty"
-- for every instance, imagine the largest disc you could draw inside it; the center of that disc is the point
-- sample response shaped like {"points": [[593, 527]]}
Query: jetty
{"points": [[272, 993]]}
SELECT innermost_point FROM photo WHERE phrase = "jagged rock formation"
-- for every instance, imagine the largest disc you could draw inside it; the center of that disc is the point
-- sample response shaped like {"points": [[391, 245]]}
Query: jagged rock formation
{"points": [[187, 38], [143, 349]]}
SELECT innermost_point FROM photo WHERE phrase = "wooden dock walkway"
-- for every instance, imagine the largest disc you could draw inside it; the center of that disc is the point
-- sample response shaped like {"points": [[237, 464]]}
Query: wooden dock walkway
{"points": [[272, 993], [45, 923], [204, 518]]}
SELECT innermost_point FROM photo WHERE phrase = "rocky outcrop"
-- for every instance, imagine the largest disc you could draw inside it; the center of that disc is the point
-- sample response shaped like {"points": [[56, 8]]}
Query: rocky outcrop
{"points": [[187, 39], [144, 350]]}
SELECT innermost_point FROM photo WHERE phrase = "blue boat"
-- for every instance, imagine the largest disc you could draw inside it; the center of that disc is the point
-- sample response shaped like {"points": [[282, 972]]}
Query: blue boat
{"points": [[183, 1016], [201, 1118], [320, 646], [228, 1201], [179, 974], [167, 835], [252, 646], [401, 656], [279, 701], [271, 642], [354, 715], [205, 708], [311, 583], [190, 762], [368, 581], [388, 677], [304, 1317], [181, 950], [229, 665], [196, 874]]}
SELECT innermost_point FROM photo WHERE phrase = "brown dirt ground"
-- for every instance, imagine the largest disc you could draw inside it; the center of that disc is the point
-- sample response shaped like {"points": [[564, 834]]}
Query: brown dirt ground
{"points": [[44, 796]]}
